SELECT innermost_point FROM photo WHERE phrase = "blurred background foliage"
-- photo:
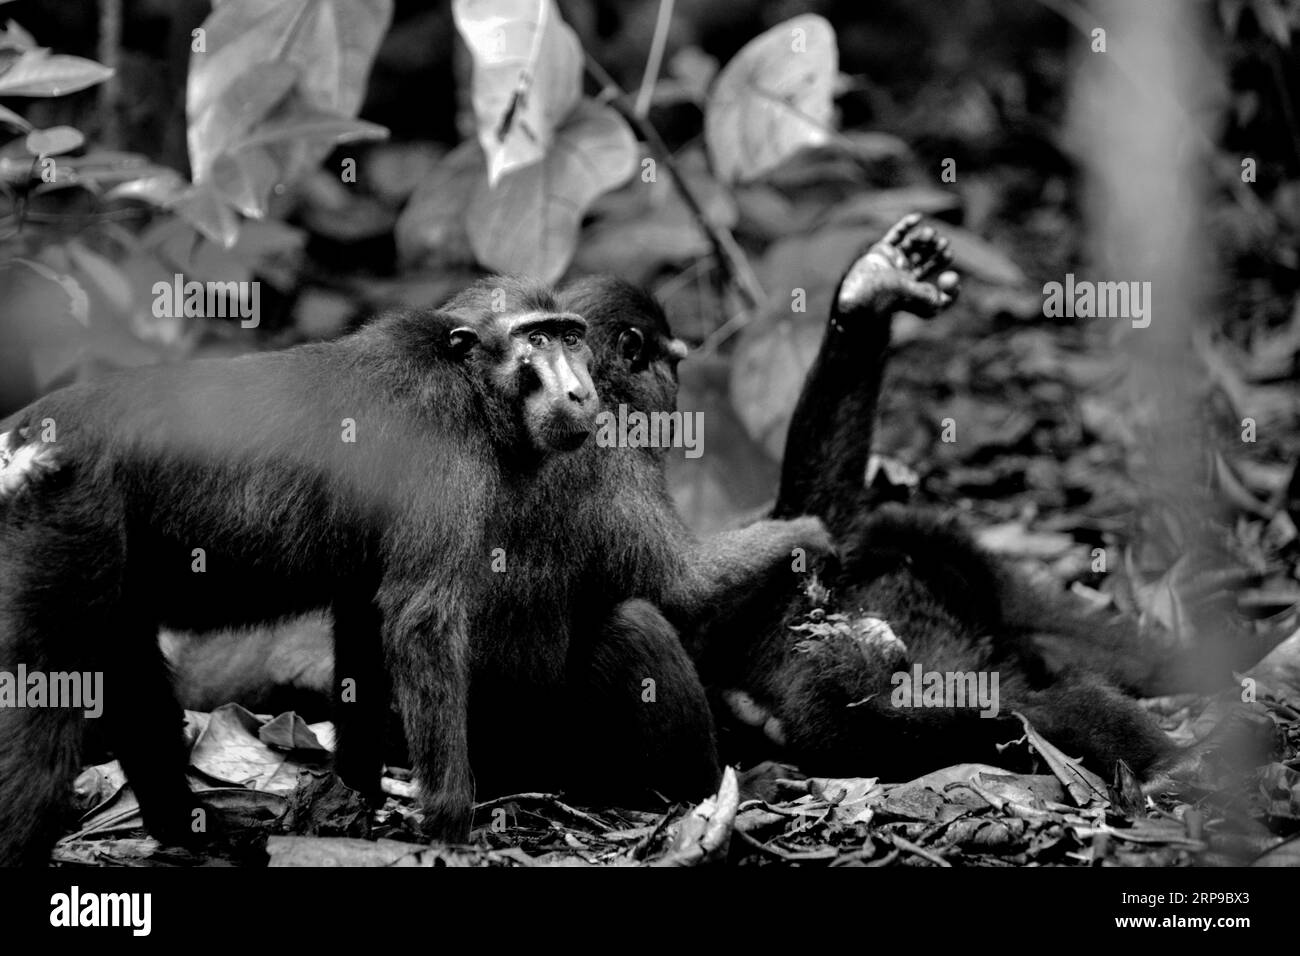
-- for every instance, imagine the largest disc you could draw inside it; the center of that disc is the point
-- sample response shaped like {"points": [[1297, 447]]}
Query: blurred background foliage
{"points": [[250, 183]]}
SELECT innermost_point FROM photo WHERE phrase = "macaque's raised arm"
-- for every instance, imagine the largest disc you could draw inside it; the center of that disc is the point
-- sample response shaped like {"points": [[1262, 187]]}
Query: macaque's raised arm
{"points": [[829, 441]]}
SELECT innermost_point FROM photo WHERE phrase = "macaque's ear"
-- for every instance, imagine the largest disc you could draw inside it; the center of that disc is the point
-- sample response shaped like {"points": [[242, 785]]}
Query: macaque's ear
{"points": [[630, 344], [461, 340]]}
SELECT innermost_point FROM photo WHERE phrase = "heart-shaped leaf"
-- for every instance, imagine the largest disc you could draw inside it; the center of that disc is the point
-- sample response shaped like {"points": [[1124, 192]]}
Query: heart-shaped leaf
{"points": [[529, 222], [527, 77], [773, 98]]}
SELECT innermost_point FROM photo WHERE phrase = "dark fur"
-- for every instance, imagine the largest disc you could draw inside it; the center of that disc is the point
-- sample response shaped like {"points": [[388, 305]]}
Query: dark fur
{"points": [[942, 597], [244, 459], [628, 733], [954, 606], [394, 534]]}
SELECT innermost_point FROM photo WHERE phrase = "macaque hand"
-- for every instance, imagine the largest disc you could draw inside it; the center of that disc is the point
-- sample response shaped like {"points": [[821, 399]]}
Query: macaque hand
{"points": [[907, 270]]}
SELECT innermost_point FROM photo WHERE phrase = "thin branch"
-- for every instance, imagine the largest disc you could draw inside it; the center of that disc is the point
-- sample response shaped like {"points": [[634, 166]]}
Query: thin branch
{"points": [[110, 91], [730, 256], [909, 847], [719, 336], [656, 58]]}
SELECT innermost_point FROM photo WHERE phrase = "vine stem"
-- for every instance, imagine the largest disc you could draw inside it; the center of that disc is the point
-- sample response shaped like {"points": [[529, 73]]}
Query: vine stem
{"points": [[730, 256], [656, 58]]}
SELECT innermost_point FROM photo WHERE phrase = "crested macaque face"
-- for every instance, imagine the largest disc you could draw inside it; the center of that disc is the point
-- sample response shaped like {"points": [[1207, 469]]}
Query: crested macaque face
{"points": [[538, 367], [638, 355], [553, 361]]}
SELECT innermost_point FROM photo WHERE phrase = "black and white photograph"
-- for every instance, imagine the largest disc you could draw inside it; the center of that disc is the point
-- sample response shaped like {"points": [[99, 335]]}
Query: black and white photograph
{"points": [[536, 434]]}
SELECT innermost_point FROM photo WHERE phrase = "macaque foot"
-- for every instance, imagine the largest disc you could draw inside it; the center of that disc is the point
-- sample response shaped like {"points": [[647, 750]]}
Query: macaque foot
{"points": [[447, 818], [908, 270]]}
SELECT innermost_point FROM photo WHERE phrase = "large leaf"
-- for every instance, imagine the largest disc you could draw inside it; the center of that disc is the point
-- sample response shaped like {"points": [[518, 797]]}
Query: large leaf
{"points": [[40, 73], [331, 42], [226, 122], [529, 222], [527, 77], [644, 226], [278, 86], [773, 98]]}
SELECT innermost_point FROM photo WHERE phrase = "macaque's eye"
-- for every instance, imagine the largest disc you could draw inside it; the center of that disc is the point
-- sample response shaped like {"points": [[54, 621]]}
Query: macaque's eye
{"points": [[571, 340], [539, 340]]}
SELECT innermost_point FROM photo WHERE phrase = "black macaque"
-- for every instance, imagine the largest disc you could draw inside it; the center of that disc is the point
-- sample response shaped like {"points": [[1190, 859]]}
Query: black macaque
{"points": [[369, 475], [422, 479], [825, 694], [820, 695], [625, 736]]}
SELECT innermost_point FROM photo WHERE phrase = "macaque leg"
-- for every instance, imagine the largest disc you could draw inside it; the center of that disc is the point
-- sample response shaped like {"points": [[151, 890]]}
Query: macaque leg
{"points": [[145, 727], [639, 715], [829, 441], [1088, 719], [426, 648], [40, 751], [831, 707], [67, 613], [361, 697]]}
